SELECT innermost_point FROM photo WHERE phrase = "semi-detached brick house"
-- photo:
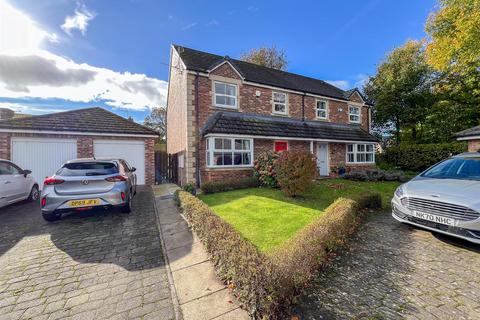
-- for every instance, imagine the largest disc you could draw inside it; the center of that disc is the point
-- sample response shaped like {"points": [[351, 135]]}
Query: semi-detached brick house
{"points": [[223, 112]]}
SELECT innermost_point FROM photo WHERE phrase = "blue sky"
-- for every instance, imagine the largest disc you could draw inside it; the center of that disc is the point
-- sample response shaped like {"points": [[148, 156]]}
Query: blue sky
{"points": [[114, 54]]}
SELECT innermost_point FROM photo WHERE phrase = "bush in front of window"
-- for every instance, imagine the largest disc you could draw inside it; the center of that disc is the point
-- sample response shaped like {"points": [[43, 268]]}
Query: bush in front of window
{"points": [[295, 171], [264, 169], [229, 185], [190, 188]]}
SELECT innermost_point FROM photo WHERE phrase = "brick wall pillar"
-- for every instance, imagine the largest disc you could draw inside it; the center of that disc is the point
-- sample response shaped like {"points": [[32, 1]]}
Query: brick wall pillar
{"points": [[84, 147], [5, 143], [149, 161]]}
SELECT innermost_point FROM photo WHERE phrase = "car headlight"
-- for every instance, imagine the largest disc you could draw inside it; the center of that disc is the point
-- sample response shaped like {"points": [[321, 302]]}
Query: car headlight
{"points": [[400, 192]]}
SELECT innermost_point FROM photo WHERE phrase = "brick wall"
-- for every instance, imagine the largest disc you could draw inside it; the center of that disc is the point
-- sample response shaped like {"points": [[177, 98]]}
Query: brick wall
{"points": [[473, 145], [85, 148]]}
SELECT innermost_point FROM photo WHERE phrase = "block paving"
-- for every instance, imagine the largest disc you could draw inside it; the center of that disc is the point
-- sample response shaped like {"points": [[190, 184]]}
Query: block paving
{"points": [[93, 265]]}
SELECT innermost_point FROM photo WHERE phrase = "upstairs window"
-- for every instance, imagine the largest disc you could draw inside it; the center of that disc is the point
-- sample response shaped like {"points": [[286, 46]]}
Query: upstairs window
{"points": [[354, 114], [229, 152], [279, 103], [225, 95], [360, 153], [321, 109]]}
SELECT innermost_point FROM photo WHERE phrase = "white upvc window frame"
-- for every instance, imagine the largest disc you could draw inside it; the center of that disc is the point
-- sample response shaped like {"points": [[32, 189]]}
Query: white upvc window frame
{"points": [[285, 103], [211, 151], [215, 94], [357, 150], [350, 114], [317, 109]]}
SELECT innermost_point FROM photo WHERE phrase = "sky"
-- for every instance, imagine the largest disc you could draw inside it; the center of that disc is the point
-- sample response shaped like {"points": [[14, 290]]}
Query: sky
{"points": [[57, 55]]}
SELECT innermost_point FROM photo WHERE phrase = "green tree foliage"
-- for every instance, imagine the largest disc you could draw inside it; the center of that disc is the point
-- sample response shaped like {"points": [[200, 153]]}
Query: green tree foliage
{"points": [[271, 57], [401, 90]]}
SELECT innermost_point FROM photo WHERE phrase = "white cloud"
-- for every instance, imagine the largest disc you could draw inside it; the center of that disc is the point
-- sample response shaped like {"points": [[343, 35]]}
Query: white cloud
{"points": [[26, 71], [29, 109], [213, 22], [342, 84], [361, 80], [189, 26], [79, 20], [44, 75], [19, 32]]}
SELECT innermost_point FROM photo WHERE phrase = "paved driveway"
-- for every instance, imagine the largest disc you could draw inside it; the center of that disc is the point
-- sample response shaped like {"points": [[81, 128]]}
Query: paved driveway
{"points": [[93, 266], [394, 271]]}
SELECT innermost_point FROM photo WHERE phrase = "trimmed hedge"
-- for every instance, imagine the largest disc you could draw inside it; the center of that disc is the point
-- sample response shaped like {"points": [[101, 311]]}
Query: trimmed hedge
{"points": [[268, 284], [418, 157], [375, 175], [295, 171], [229, 185]]}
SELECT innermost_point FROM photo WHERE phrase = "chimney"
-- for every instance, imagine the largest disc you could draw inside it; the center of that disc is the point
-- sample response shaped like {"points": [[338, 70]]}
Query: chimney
{"points": [[6, 113]]}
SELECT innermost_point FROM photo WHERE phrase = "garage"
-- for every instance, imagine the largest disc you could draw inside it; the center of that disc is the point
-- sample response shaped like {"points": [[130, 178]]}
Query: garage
{"points": [[50, 154], [132, 151], [43, 143]]}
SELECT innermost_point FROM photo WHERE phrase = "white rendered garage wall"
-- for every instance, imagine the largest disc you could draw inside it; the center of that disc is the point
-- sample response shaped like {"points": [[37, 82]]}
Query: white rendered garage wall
{"points": [[43, 156], [133, 151]]}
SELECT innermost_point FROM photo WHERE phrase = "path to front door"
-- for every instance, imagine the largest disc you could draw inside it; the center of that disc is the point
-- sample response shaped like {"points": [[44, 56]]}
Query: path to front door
{"points": [[322, 158]]}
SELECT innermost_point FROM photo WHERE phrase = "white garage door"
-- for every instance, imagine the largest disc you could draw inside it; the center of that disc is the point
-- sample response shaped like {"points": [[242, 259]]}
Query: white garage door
{"points": [[131, 150], [43, 156]]}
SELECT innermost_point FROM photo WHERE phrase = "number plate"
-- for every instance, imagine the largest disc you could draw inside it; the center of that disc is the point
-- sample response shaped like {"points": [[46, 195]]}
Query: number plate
{"points": [[83, 203], [435, 218]]}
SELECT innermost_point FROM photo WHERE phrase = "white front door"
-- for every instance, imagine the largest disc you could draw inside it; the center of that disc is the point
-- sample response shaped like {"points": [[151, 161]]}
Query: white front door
{"points": [[322, 158]]}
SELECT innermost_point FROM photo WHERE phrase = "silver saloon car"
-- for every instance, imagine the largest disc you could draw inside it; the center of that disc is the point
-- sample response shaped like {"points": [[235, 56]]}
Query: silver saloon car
{"points": [[445, 198], [84, 184]]}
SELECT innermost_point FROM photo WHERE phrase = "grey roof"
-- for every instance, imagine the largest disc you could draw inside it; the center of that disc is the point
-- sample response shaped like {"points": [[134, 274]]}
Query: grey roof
{"points": [[475, 131], [91, 120], [204, 62], [250, 124]]}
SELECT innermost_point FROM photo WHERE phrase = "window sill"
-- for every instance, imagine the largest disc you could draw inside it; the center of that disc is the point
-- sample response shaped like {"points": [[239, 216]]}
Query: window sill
{"points": [[284, 115], [228, 168], [224, 107], [360, 163], [322, 119]]}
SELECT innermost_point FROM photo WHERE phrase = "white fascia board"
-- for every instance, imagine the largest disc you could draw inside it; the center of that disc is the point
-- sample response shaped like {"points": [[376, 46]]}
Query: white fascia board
{"points": [[468, 138], [77, 133]]}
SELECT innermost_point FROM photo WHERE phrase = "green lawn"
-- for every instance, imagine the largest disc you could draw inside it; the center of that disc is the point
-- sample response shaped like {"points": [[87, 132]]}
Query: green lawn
{"points": [[267, 217]]}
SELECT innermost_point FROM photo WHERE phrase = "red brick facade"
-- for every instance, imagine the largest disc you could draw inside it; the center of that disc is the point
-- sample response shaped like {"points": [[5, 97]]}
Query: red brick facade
{"points": [[251, 98], [84, 148]]}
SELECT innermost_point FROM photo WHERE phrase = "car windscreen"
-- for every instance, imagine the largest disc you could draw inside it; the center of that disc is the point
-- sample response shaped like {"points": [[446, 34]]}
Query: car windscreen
{"points": [[456, 168], [87, 169]]}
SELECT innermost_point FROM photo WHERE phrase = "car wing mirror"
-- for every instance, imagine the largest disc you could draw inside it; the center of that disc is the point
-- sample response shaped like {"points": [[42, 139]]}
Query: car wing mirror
{"points": [[26, 173], [134, 169]]}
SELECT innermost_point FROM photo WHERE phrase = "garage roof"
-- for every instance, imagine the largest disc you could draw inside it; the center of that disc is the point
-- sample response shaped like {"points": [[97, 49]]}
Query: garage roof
{"points": [[472, 132], [266, 126], [87, 120]]}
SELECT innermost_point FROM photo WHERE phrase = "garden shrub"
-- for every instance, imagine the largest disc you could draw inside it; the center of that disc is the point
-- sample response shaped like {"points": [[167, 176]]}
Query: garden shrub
{"points": [[264, 168], [190, 188], [295, 171], [267, 285], [418, 157], [228, 185], [374, 175]]}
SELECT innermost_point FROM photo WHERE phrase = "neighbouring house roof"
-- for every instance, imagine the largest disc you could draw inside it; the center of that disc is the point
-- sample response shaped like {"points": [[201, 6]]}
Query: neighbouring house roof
{"points": [[471, 132], [204, 62], [266, 126], [87, 120]]}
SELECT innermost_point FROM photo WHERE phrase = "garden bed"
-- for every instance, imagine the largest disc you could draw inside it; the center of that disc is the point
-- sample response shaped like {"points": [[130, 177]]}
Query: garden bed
{"points": [[267, 217], [266, 276]]}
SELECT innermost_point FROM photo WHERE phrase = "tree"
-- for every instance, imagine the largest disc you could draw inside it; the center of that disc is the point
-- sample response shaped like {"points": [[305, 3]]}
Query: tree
{"points": [[157, 120], [271, 57], [401, 90], [454, 50]]}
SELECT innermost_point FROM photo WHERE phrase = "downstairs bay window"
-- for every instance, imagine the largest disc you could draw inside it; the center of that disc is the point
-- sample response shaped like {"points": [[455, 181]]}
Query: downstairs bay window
{"points": [[361, 153], [229, 152]]}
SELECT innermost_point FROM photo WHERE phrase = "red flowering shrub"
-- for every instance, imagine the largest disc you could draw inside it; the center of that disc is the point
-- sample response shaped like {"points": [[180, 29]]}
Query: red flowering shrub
{"points": [[264, 169], [295, 171]]}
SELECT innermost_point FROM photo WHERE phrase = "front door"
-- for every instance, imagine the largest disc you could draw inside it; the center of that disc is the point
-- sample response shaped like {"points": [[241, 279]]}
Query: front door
{"points": [[322, 159]]}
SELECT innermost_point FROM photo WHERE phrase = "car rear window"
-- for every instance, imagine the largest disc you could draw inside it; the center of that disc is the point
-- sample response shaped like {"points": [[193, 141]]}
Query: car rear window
{"points": [[88, 169]]}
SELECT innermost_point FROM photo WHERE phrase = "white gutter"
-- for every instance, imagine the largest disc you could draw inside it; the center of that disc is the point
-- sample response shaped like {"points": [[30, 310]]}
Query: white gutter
{"points": [[469, 138], [75, 133], [283, 138]]}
